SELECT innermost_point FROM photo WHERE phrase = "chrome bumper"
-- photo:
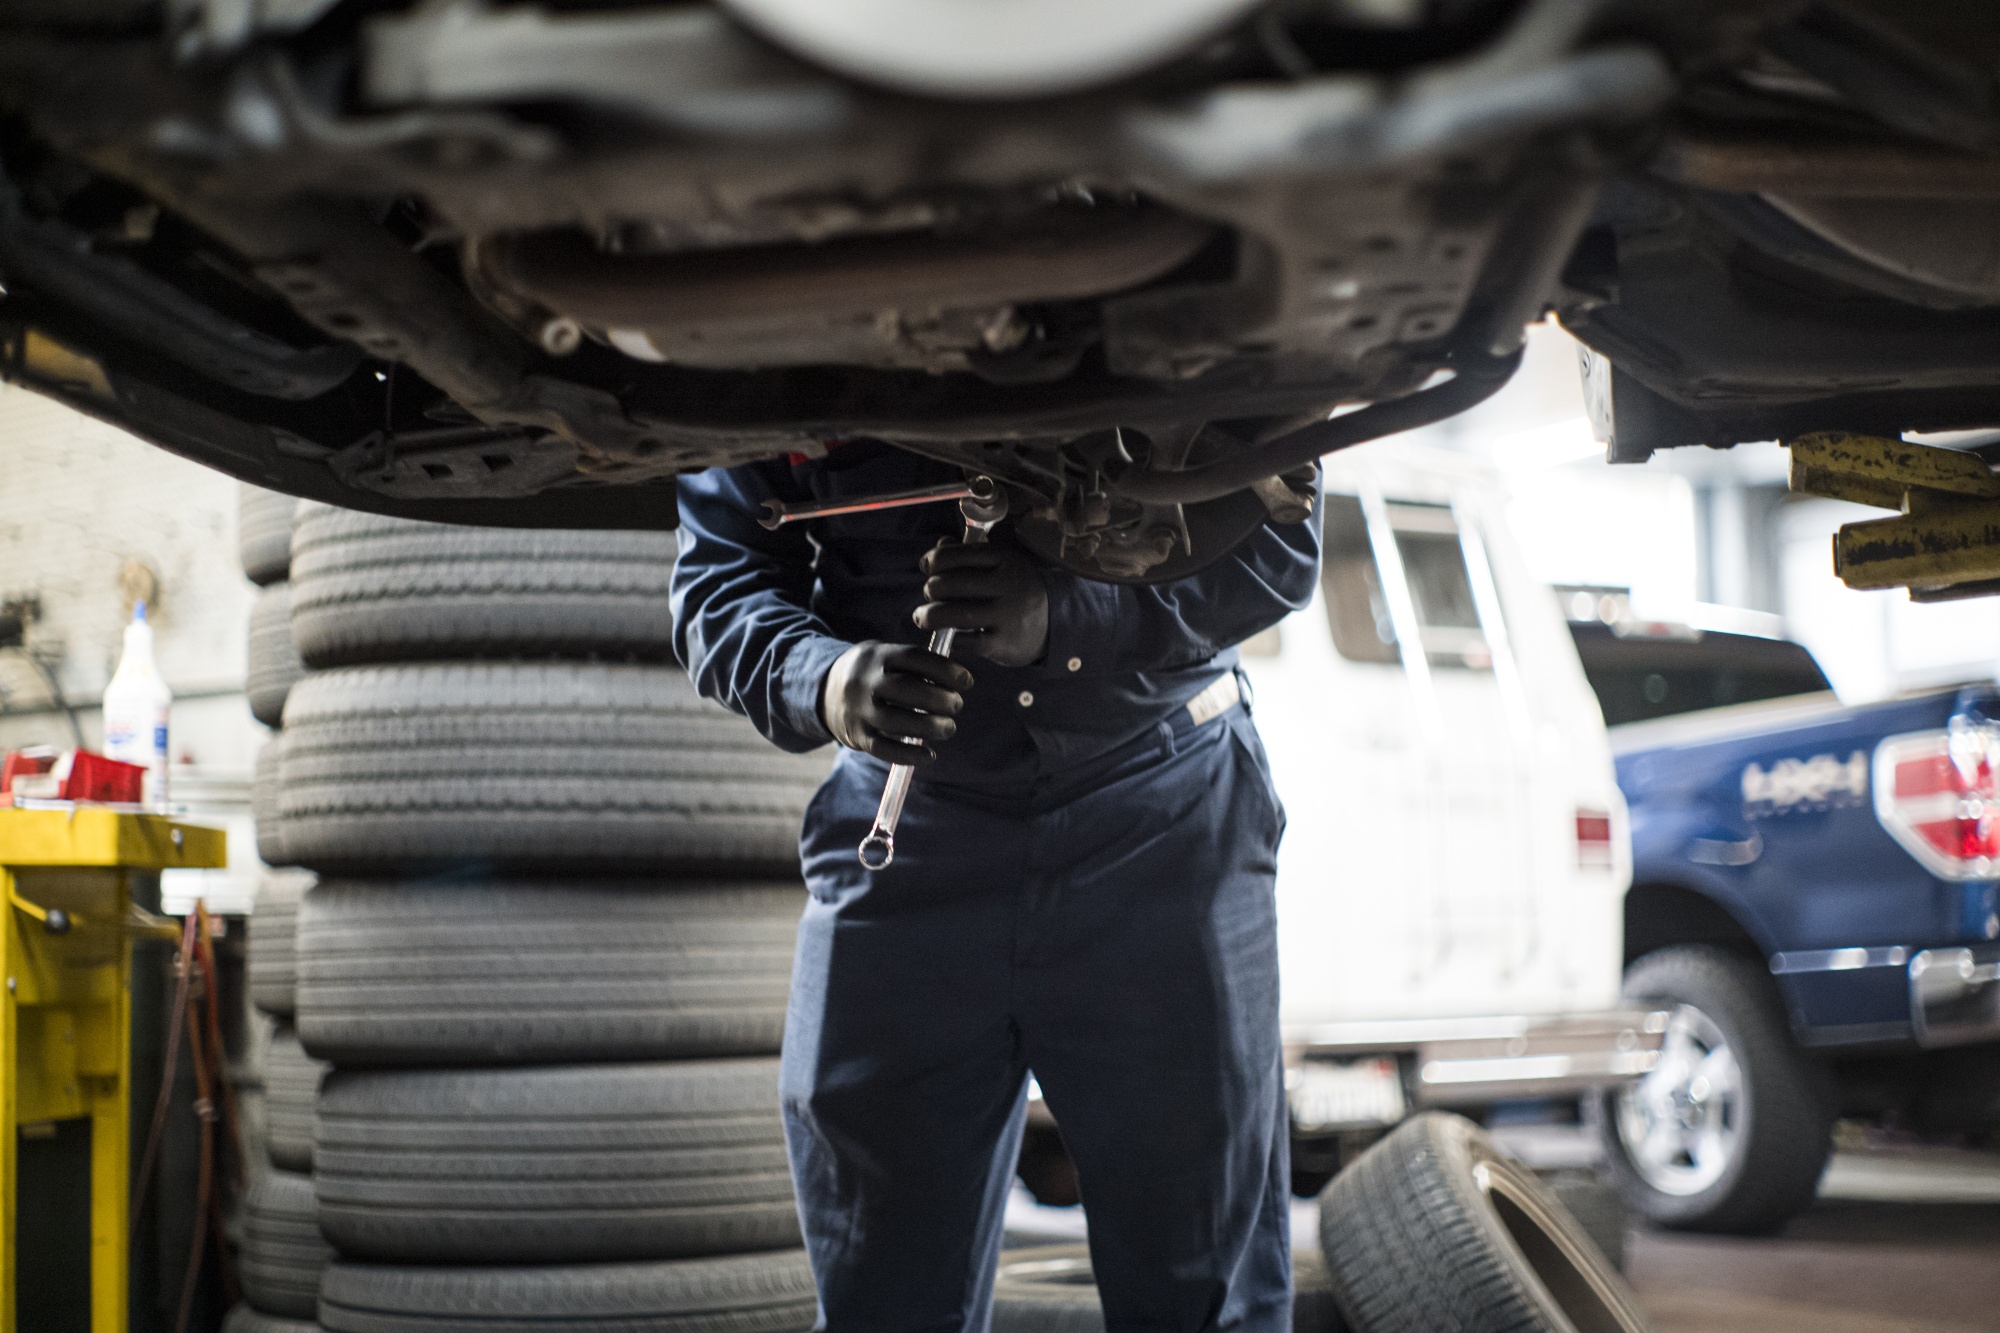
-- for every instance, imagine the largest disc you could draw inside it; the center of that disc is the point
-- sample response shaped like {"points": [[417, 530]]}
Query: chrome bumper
{"points": [[1478, 1061], [1955, 996]]}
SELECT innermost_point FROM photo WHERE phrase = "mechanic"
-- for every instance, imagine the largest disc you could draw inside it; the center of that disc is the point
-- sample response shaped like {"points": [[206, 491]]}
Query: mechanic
{"points": [[1082, 888]]}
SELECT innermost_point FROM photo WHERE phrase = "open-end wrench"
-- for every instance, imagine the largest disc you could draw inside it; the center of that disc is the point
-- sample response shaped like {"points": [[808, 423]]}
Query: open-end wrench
{"points": [[983, 506]]}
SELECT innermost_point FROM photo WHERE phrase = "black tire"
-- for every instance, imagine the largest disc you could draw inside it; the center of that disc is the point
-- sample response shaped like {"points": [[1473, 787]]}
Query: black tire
{"points": [[552, 764], [283, 1253], [1435, 1228], [264, 533], [741, 1293], [1050, 1289], [513, 972], [266, 796], [367, 588], [272, 964], [554, 1163], [291, 1084], [1779, 1132], [243, 1319], [274, 662]]}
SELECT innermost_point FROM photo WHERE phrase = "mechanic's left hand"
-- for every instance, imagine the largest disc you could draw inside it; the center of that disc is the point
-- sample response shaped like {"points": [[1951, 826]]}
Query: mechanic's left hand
{"points": [[992, 595]]}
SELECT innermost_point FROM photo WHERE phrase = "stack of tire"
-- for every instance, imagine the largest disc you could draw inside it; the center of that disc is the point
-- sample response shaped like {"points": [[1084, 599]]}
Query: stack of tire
{"points": [[548, 952], [281, 1254]]}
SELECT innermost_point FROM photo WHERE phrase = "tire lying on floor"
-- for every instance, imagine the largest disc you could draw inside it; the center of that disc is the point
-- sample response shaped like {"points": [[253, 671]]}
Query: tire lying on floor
{"points": [[741, 1293], [283, 1253], [554, 1163], [533, 763], [519, 971], [1597, 1207], [1051, 1289], [264, 533], [367, 588], [274, 665], [1435, 1228], [291, 1084], [1731, 1129]]}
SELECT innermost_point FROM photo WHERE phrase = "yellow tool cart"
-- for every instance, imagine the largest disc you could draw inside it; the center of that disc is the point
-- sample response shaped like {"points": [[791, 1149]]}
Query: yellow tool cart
{"points": [[68, 878]]}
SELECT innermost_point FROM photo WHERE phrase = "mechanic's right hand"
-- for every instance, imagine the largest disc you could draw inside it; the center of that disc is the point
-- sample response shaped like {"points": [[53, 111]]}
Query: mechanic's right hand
{"points": [[893, 701]]}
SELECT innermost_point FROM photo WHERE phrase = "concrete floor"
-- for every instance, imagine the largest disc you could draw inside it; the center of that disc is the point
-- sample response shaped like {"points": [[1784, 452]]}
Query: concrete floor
{"points": [[1900, 1241]]}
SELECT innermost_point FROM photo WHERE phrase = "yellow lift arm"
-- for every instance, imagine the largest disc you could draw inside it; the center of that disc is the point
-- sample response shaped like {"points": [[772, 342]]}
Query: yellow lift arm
{"points": [[1944, 545]]}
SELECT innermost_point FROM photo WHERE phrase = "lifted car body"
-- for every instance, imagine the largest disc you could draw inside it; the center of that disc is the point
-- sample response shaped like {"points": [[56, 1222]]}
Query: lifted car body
{"points": [[525, 264]]}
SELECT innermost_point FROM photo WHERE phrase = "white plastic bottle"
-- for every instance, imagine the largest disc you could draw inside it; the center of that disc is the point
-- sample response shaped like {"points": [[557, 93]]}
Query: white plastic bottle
{"points": [[136, 705]]}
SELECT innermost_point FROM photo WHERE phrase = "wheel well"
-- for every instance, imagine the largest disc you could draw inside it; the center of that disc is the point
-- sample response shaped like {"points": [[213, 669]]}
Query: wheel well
{"points": [[1657, 915]]}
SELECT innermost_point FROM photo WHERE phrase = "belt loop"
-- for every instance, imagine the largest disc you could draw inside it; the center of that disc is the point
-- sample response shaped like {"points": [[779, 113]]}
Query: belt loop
{"points": [[1249, 695]]}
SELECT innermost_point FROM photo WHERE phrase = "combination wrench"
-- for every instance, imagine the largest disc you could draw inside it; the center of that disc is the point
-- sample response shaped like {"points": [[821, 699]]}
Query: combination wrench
{"points": [[982, 503]]}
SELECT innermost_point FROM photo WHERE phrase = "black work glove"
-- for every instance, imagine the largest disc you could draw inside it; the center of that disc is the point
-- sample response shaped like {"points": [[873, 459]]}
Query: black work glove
{"points": [[893, 700], [992, 595]]}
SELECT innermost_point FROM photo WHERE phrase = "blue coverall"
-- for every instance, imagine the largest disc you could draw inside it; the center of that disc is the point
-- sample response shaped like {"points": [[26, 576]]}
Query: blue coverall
{"points": [[1083, 888]]}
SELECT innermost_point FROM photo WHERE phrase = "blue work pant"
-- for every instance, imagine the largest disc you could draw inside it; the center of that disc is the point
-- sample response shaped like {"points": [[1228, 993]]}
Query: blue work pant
{"points": [[1115, 934]]}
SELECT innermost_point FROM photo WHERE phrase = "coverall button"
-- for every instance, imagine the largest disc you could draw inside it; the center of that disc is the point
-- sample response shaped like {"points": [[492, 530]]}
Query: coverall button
{"points": [[1076, 664], [1026, 700]]}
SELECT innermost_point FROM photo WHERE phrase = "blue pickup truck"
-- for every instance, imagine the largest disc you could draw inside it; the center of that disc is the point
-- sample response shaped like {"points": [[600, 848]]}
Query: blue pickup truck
{"points": [[1814, 900]]}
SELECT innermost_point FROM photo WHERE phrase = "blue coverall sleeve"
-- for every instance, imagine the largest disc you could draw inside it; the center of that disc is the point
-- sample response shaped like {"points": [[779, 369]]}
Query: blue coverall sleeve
{"points": [[742, 604], [1111, 628]]}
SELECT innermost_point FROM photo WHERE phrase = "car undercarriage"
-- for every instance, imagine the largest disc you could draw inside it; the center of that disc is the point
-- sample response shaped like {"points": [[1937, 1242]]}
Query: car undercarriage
{"points": [[525, 264]]}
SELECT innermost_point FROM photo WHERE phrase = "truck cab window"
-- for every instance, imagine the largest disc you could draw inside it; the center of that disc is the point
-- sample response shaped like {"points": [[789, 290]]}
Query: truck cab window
{"points": [[1356, 610], [1434, 564], [1440, 585]]}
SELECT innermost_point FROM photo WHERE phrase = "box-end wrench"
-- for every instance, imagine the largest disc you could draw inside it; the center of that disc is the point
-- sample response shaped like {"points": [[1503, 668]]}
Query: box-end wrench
{"points": [[983, 506]]}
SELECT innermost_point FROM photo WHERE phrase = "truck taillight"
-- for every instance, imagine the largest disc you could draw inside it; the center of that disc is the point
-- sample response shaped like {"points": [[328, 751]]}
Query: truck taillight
{"points": [[1593, 839], [1938, 795]]}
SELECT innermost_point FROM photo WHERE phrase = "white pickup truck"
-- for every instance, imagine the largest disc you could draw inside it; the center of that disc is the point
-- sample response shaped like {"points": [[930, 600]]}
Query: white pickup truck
{"points": [[1451, 886]]}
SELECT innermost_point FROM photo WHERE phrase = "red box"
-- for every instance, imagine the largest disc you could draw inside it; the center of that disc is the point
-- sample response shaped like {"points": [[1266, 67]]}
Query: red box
{"points": [[92, 777]]}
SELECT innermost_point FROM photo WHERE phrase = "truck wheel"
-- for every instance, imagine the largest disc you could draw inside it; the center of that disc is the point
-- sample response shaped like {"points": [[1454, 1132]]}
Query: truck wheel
{"points": [[1045, 1168], [1731, 1129], [1434, 1228], [1050, 1289]]}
